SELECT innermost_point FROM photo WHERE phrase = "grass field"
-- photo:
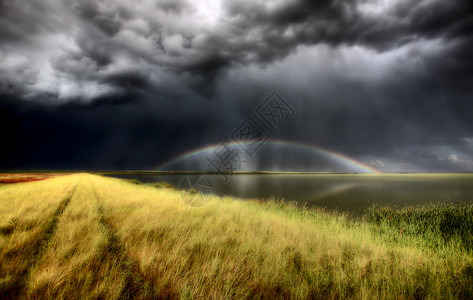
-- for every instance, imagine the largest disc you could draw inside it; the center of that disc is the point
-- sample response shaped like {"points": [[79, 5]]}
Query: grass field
{"points": [[87, 236]]}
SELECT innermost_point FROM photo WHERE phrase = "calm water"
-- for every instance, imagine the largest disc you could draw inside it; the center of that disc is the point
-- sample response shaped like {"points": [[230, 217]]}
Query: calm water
{"points": [[344, 192]]}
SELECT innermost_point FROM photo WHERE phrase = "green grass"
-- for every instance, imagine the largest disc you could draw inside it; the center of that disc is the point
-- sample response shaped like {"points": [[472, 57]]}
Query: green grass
{"points": [[439, 226], [87, 236]]}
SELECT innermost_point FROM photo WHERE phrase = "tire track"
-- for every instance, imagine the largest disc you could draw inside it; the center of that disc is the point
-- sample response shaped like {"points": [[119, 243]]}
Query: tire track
{"points": [[30, 252], [136, 285]]}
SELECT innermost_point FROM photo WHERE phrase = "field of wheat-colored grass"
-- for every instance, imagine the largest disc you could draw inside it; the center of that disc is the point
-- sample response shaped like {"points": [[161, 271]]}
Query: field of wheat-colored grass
{"points": [[88, 236]]}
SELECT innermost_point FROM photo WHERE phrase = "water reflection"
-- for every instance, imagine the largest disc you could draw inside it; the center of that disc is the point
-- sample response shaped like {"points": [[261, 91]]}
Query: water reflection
{"points": [[344, 192]]}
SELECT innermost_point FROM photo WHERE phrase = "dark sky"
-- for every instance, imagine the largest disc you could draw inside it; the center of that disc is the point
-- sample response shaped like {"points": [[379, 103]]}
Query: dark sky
{"points": [[132, 84]]}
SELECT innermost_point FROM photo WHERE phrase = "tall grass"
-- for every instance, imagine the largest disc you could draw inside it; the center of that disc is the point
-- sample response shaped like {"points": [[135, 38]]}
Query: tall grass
{"points": [[28, 217], [116, 239], [437, 226]]}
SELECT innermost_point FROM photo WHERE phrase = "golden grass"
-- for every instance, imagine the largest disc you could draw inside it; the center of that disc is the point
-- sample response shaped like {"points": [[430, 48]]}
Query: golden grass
{"points": [[114, 239]]}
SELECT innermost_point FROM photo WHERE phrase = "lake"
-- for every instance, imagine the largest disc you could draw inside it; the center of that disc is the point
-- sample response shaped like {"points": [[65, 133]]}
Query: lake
{"points": [[352, 193]]}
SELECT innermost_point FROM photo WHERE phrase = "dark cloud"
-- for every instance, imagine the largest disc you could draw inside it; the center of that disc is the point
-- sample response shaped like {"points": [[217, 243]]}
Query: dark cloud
{"points": [[84, 84], [100, 135], [173, 6], [176, 36]]}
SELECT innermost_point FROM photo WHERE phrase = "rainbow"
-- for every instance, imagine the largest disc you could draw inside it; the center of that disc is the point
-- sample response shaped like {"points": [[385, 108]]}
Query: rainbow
{"points": [[345, 160]]}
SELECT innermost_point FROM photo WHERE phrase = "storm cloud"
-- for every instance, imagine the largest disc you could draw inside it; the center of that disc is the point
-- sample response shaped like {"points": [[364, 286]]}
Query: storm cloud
{"points": [[63, 50], [387, 82]]}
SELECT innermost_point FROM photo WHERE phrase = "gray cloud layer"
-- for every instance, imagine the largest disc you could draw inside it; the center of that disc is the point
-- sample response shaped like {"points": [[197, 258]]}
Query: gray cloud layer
{"points": [[389, 82], [62, 50]]}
